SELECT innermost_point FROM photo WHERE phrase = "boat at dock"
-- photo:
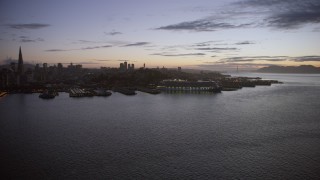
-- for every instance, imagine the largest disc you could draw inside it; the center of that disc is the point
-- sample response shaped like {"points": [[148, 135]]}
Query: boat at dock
{"points": [[102, 92], [125, 91], [47, 94]]}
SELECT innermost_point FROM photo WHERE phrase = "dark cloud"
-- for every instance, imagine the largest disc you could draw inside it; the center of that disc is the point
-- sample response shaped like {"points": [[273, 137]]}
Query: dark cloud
{"points": [[123, 60], [231, 66], [136, 44], [26, 39], [244, 43], [81, 41], [174, 47], [217, 49], [203, 44], [95, 47], [286, 14], [28, 26], [85, 48], [254, 58], [187, 54], [294, 19], [113, 33], [270, 58], [306, 58], [215, 63], [56, 50], [29, 40], [103, 60], [249, 3], [201, 25]]}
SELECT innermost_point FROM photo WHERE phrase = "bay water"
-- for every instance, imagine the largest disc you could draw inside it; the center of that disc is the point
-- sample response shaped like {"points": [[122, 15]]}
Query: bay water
{"points": [[266, 132]]}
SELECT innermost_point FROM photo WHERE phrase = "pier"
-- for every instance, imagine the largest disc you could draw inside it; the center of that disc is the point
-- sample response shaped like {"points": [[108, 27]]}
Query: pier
{"points": [[77, 92], [179, 85]]}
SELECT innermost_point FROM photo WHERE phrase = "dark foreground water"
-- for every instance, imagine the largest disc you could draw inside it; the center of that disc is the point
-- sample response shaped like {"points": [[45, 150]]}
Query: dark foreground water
{"points": [[254, 133]]}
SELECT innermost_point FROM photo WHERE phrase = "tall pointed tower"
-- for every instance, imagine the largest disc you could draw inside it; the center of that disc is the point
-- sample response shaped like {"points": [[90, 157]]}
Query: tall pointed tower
{"points": [[20, 63]]}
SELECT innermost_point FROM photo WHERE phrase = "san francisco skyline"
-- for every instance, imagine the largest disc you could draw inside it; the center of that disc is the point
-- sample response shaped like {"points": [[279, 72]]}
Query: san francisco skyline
{"points": [[213, 35]]}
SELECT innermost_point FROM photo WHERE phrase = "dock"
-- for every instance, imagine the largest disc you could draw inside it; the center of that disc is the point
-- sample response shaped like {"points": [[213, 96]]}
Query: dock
{"points": [[77, 92], [189, 86]]}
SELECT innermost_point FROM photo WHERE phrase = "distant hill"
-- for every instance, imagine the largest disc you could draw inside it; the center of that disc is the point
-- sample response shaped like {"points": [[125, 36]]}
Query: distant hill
{"points": [[196, 71], [304, 69]]}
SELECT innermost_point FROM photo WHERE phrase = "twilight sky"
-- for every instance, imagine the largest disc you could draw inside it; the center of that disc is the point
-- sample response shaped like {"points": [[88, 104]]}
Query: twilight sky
{"points": [[202, 34]]}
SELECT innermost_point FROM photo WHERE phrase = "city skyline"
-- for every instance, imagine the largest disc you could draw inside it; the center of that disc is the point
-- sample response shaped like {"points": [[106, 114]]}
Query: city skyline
{"points": [[212, 35]]}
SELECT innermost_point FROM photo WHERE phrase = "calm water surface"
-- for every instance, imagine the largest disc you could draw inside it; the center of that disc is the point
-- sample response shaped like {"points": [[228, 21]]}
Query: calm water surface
{"points": [[268, 132]]}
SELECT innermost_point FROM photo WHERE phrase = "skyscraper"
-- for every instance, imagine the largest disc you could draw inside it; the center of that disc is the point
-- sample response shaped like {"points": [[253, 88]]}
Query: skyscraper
{"points": [[20, 63], [125, 65]]}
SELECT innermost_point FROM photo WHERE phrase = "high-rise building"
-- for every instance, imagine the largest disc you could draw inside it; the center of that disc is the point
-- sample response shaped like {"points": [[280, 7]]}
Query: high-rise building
{"points": [[125, 65], [45, 66], [20, 63], [60, 66]]}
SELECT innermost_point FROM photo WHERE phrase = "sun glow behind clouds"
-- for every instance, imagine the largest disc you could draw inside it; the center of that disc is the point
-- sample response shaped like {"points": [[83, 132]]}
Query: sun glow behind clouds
{"points": [[167, 33]]}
